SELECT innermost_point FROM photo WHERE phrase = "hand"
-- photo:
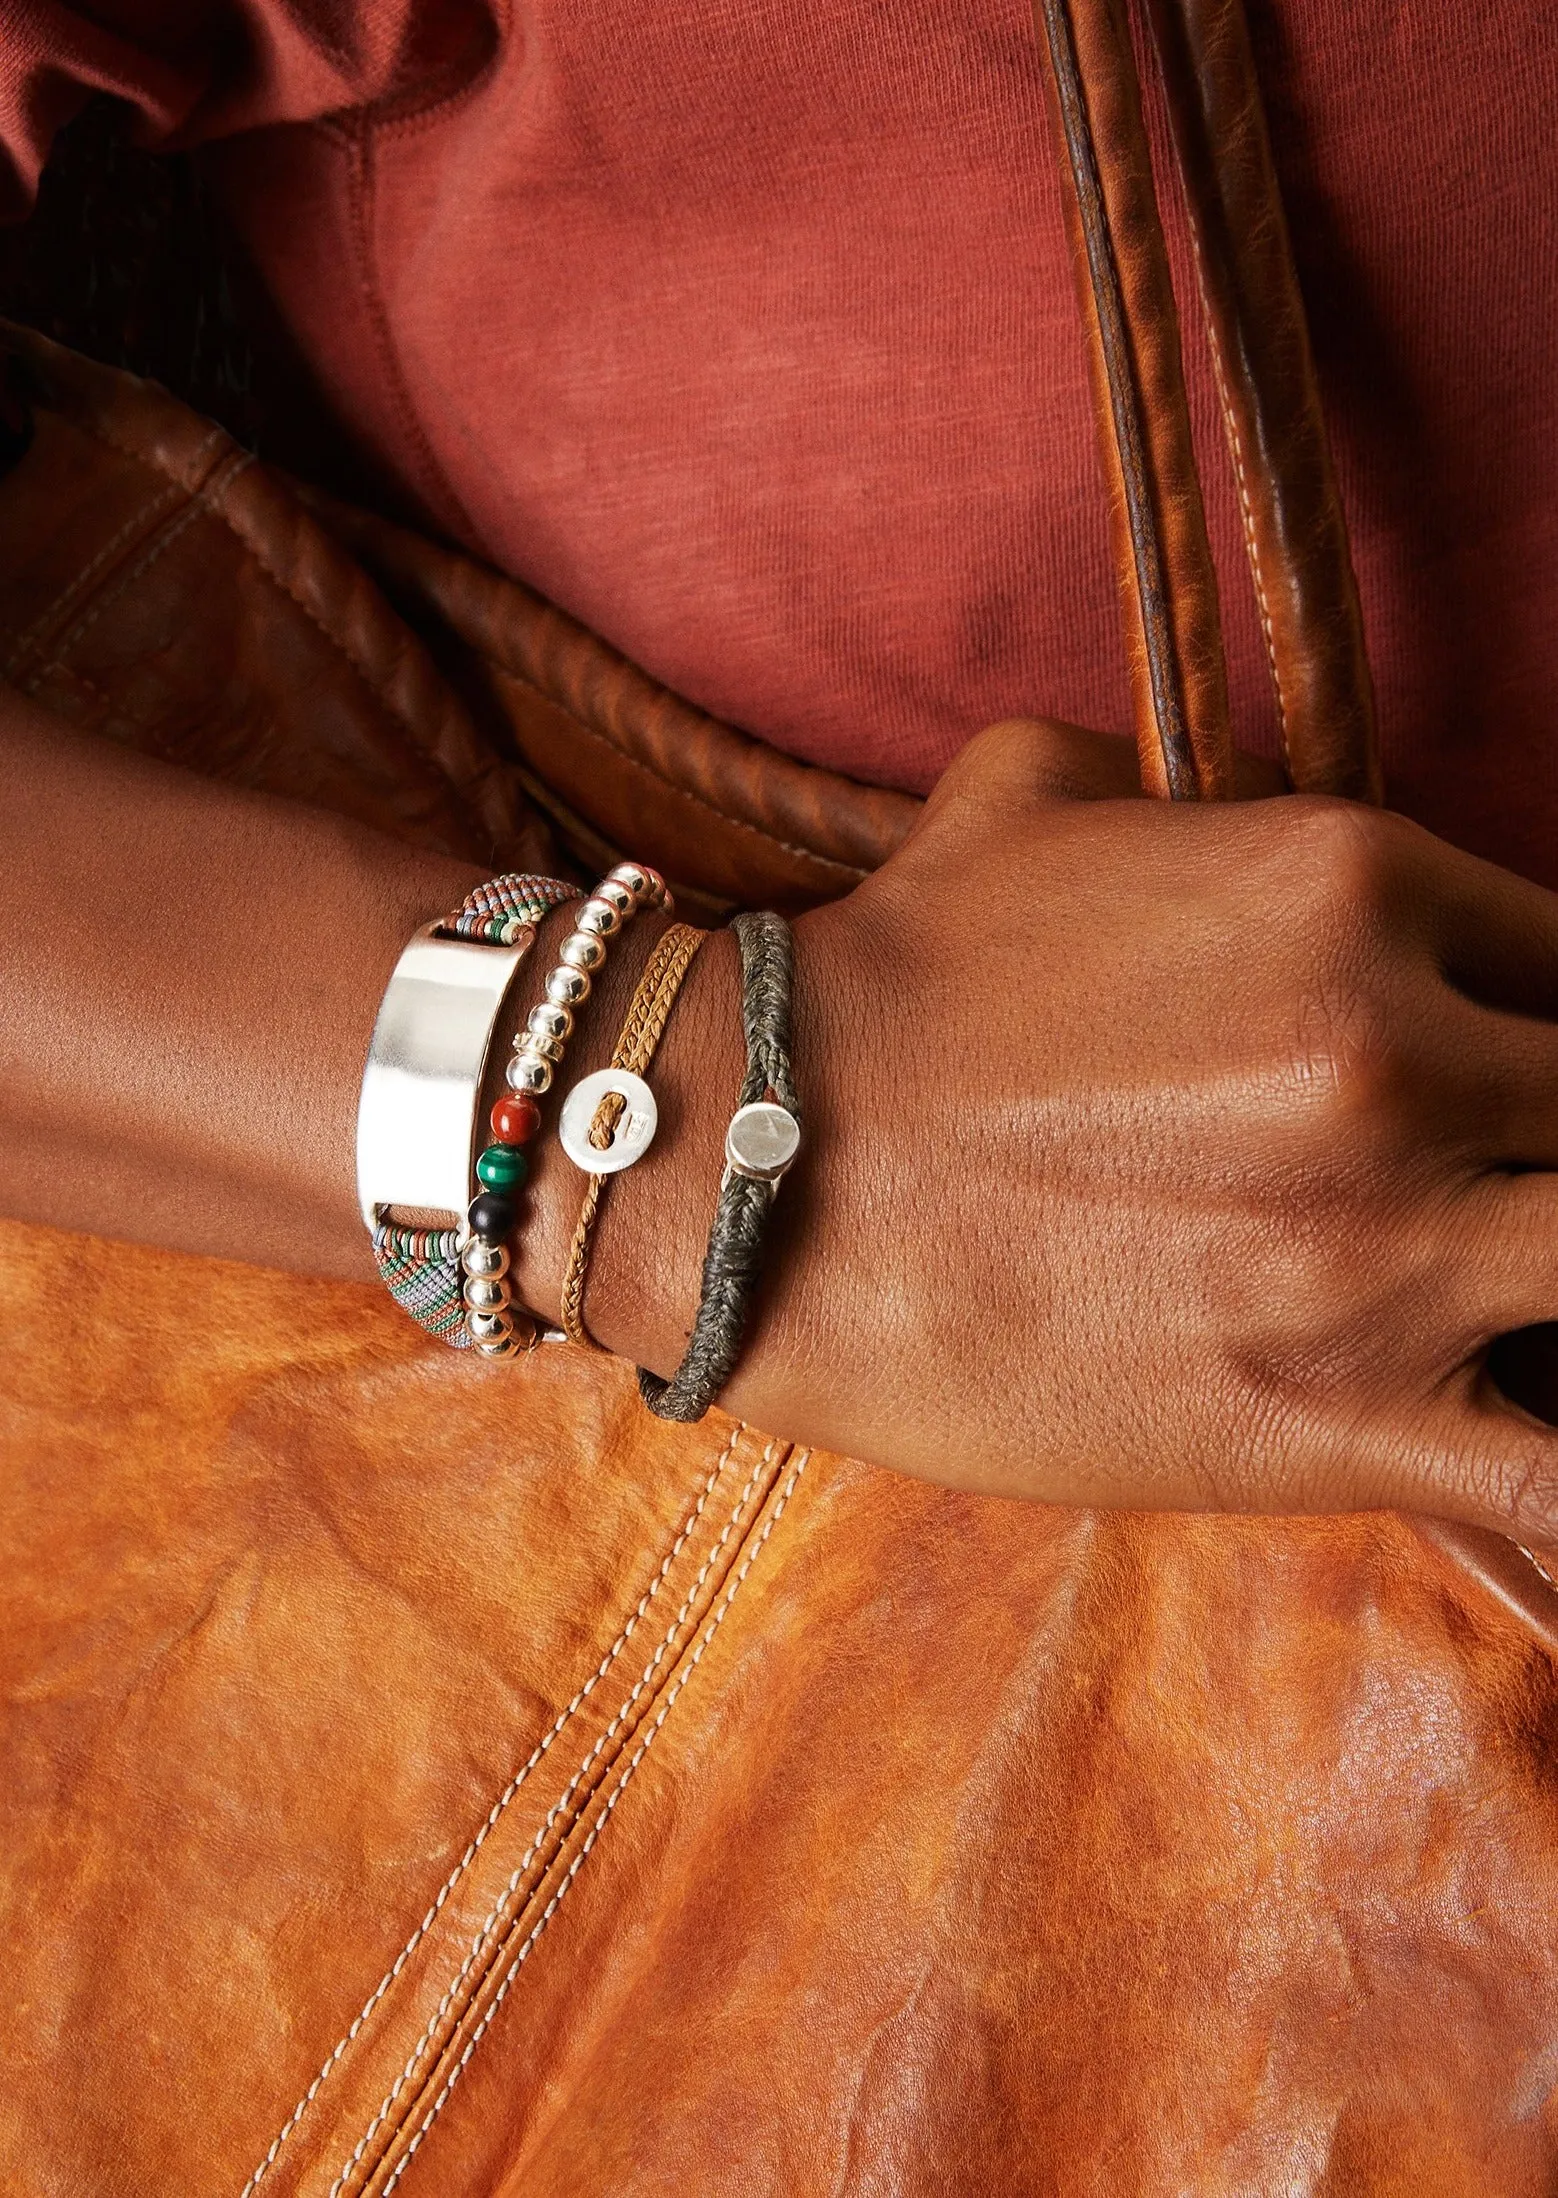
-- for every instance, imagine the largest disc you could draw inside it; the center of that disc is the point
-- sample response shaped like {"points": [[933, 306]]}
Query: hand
{"points": [[1172, 1157]]}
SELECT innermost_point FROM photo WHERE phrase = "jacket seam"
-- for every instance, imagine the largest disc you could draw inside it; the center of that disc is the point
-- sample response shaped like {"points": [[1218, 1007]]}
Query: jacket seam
{"points": [[542, 1748], [202, 505], [199, 507], [78, 586], [487, 1939], [682, 1677], [362, 181]]}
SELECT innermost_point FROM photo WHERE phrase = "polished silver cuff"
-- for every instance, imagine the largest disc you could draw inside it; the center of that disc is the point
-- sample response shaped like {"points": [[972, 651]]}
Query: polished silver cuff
{"points": [[421, 1088]]}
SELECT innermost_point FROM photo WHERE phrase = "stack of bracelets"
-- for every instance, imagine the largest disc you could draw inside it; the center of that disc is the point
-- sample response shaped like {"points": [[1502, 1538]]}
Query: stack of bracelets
{"points": [[420, 1099], [538, 1054]]}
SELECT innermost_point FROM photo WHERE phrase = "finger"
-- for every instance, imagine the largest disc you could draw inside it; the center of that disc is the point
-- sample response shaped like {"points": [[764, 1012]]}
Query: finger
{"points": [[1500, 1464], [1495, 935], [1499, 1267], [1487, 1081], [1071, 763], [1468, 1454]]}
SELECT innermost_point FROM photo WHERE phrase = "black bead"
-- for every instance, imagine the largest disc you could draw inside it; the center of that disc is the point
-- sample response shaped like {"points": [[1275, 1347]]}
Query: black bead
{"points": [[491, 1216]]}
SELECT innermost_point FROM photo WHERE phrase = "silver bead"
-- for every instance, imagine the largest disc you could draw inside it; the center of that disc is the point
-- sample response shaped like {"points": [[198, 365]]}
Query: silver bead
{"points": [[657, 890], [526, 1073], [583, 950], [501, 1347], [634, 876], [481, 1258], [568, 987], [550, 1019], [538, 1048], [486, 1293], [599, 917], [489, 1327], [617, 895]]}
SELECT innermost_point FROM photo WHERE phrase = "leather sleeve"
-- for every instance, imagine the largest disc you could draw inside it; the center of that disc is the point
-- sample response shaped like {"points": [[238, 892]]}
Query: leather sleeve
{"points": [[192, 70]]}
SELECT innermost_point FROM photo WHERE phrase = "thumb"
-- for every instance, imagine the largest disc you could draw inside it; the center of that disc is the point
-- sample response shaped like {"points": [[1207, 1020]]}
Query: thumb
{"points": [[1011, 767], [1028, 759]]}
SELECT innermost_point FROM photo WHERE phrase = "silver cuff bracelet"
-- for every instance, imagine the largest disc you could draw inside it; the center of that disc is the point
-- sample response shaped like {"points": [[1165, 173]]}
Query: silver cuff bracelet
{"points": [[421, 1089]]}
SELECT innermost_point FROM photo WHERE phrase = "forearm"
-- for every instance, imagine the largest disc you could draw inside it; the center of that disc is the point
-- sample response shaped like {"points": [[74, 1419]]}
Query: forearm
{"points": [[192, 976], [192, 973]]}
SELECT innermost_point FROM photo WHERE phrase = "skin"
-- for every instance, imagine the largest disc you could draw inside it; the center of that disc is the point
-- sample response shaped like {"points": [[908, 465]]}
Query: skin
{"points": [[1172, 1157]]}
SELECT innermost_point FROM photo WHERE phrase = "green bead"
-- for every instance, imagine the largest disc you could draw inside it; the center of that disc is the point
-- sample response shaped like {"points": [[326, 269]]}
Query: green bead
{"points": [[502, 1168]]}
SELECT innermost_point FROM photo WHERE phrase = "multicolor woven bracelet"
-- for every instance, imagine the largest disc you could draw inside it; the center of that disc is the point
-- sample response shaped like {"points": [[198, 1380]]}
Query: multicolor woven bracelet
{"points": [[421, 1270]]}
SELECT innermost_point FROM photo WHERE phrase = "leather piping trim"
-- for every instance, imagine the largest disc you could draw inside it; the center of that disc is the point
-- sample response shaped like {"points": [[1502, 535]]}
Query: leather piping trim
{"points": [[1513, 1577], [841, 875], [597, 688], [1124, 402], [595, 851], [1257, 330]]}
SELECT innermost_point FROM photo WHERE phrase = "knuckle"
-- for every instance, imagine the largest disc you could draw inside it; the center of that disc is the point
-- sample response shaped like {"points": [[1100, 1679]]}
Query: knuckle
{"points": [[1353, 1062], [1520, 1490], [1356, 1047], [1345, 860], [994, 773], [1006, 750]]}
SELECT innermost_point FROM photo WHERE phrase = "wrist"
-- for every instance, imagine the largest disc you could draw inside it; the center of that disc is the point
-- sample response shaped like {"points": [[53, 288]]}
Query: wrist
{"points": [[648, 1252]]}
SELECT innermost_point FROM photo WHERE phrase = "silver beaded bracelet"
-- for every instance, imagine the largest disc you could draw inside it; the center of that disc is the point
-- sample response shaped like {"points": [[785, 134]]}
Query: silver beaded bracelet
{"points": [[538, 1055], [539, 1047]]}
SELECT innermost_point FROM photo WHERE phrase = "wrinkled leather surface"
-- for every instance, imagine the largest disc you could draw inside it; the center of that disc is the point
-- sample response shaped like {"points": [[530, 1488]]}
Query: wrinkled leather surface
{"points": [[1295, 532], [979, 1847], [721, 1821], [148, 565]]}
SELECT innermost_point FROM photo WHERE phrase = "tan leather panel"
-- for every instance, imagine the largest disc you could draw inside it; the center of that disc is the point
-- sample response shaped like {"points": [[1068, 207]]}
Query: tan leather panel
{"points": [[1295, 531], [287, 1590], [906, 1842]]}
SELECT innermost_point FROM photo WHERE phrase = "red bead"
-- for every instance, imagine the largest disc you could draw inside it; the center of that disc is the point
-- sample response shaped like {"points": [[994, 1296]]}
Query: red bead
{"points": [[515, 1118]]}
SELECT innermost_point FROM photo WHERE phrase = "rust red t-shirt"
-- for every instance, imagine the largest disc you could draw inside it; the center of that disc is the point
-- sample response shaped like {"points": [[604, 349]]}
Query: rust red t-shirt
{"points": [[746, 332]]}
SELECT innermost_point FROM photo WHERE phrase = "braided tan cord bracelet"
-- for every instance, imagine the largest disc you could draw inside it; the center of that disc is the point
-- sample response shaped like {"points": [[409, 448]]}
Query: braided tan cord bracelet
{"points": [[642, 1029]]}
